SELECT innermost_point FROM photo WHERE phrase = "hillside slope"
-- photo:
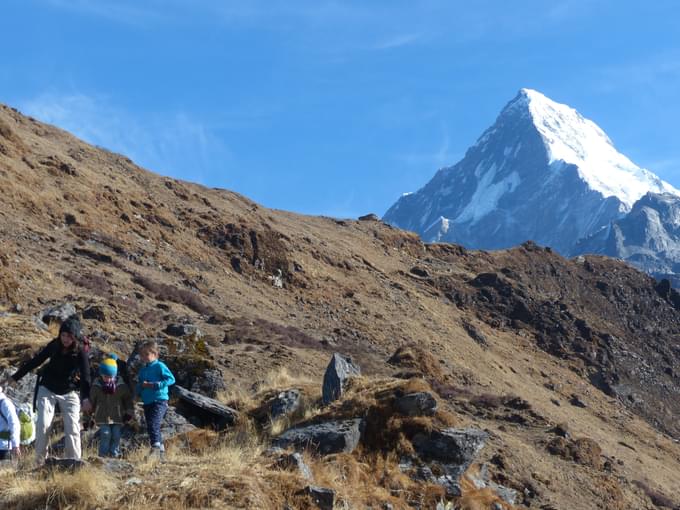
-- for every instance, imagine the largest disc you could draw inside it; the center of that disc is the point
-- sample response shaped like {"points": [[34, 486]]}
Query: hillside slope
{"points": [[588, 343]]}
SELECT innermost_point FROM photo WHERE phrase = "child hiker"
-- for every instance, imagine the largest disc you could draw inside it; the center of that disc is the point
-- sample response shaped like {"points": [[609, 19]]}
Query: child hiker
{"points": [[9, 429], [112, 405], [152, 386]]}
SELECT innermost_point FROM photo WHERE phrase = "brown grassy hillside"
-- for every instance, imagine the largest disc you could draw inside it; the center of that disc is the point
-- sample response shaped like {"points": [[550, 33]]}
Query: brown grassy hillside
{"points": [[514, 342]]}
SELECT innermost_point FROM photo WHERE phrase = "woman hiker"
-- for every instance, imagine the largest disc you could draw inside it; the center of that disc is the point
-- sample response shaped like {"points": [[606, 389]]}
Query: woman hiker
{"points": [[66, 374]]}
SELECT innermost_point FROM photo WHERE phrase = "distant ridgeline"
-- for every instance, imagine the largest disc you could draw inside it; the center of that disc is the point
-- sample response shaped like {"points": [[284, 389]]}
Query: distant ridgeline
{"points": [[545, 173]]}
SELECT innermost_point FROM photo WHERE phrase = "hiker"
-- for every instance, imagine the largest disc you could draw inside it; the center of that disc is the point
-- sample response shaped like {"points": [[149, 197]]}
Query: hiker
{"points": [[112, 406], [153, 381], [67, 371], [9, 429]]}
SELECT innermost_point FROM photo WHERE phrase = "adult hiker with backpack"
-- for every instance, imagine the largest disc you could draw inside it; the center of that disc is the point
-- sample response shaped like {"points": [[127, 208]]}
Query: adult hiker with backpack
{"points": [[10, 429], [66, 374]]}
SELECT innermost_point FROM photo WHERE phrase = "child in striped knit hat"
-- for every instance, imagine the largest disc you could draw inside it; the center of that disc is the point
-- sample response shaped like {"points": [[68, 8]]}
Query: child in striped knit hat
{"points": [[112, 406]]}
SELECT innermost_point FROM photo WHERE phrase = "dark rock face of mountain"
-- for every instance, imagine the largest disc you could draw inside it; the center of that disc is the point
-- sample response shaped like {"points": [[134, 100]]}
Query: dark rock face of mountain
{"points": [[648, 237]]}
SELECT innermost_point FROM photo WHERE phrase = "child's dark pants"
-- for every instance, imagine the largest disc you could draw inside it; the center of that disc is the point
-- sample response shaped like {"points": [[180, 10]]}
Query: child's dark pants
{"points": [[153, 414]]}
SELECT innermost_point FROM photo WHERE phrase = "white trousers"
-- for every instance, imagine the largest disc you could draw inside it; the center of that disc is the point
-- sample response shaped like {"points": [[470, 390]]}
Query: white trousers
{"points": [[70, 412]]}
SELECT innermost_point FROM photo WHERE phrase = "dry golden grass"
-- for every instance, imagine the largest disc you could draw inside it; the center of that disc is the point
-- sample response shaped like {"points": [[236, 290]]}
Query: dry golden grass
{"points": [[86, 489], [18, 337]]}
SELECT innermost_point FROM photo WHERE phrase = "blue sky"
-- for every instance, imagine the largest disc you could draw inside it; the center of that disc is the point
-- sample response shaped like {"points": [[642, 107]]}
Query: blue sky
{"points": [[336, 107]]}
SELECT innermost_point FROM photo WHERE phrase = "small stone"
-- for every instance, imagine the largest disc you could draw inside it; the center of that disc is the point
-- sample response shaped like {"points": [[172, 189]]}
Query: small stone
{"points": [[369, 217], [577, 402], [416, 404], [285, 403], [182, 330], [294, 462], [322, 497], [94, 312]]}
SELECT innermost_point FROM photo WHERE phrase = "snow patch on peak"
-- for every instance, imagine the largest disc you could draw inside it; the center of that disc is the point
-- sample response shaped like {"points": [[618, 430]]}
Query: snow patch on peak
{"points": [[571, 138], [486, 196]]}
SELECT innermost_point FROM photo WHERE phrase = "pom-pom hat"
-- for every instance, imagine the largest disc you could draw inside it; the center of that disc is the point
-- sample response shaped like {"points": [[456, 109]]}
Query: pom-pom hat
{"points": [[108, 367]]}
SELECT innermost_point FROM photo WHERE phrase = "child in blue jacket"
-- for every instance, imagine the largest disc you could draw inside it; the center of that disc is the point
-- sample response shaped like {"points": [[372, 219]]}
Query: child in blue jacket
{"points": [[152, 386]]}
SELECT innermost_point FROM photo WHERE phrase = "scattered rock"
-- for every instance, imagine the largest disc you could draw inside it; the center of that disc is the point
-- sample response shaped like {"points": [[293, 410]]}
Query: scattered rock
{"points": [[94, 312], [416, 404], [64, 464], [560, 430], [420, 272], [459, 446], [285, 403], [451, 451], [57, 313], [369, 217], [324, 438], [207, 410], [322, 497], [577, 402], [294, 462], [277, 279], [482, 480], [182, 330], [339, 371]]}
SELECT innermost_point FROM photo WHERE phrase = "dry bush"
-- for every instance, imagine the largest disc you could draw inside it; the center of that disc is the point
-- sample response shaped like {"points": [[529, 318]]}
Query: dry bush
{"points": [[165, 292], [85, 488], [658, 498], [244, 330], [95, 283]]}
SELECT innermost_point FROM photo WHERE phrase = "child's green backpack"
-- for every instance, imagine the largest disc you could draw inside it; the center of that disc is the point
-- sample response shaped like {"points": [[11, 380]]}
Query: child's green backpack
{"points": [[26, 425]]}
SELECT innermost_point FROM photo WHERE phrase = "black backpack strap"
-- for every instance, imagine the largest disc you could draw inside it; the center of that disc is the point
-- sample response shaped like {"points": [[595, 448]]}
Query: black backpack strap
{"points": [[35, 391]]}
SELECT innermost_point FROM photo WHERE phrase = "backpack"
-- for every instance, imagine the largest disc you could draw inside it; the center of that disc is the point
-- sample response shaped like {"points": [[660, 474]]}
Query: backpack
{"points": [[26, 425]]}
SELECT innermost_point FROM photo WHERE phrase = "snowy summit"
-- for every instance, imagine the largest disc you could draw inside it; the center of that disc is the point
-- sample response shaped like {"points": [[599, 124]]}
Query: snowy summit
{"points": [[542, 172], [571, 138]]}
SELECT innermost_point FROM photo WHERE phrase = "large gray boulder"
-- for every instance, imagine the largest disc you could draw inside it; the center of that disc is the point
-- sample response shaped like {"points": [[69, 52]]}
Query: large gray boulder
{"points": [[21, 392], [204, 410], [324, 438], [458, 446], [452, 451], [339, 371], [57, 313]]}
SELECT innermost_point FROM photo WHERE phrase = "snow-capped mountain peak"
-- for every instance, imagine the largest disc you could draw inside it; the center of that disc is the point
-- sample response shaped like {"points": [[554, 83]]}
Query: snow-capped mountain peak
{"points": [[571, 138], [542, 171]]}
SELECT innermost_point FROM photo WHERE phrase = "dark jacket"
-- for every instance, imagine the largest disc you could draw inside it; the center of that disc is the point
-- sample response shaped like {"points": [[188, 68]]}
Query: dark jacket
{"points": [[66, 371], [111, 408]]}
